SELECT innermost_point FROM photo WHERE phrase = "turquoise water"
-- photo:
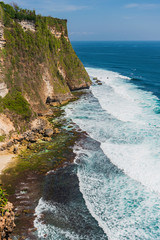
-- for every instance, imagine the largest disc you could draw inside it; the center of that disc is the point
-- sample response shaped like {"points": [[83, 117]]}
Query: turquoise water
{"points": [[113, 190]]}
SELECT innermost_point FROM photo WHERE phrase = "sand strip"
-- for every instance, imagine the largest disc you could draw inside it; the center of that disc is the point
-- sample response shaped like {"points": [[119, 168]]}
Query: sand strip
{"points": [[5, 160]]}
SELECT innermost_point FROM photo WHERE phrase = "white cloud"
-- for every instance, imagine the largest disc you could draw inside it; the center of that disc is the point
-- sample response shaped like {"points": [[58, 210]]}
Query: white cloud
{"points": [[67, 8], [142, 6], [62, 6], [132, 5], [81, 33], [50, 5]]}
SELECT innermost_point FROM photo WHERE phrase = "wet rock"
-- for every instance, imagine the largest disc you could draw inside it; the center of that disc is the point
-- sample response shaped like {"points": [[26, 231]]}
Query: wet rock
{"points": [[98, 81]]}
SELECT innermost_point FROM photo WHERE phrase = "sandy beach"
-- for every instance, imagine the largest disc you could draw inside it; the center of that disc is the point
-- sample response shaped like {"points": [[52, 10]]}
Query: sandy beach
{"points": [[5, 159]]}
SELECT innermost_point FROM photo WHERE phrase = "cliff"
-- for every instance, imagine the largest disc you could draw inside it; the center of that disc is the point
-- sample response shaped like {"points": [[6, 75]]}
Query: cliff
{"points": [[38, 70], [38, 66]]}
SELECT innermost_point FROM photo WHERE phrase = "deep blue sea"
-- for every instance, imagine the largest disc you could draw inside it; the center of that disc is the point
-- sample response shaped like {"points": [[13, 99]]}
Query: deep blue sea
{"points": [[113, 190]]}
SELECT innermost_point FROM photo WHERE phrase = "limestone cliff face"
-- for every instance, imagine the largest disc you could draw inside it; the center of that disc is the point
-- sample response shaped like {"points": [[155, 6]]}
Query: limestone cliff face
{"points": [[37, 64]]}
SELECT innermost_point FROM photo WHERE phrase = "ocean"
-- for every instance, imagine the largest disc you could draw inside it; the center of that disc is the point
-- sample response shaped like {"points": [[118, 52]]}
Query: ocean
{"points": [[113, 189]]}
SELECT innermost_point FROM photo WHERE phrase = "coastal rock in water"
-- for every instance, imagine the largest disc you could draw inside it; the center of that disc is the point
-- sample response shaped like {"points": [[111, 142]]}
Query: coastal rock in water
{"points": [[99, 83]]}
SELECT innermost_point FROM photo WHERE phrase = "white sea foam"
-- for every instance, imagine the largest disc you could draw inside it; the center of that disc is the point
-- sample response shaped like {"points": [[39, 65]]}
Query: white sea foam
{"points": [[122, 99], [140, 159], [123, 209], [48, 231], [128, 128], [124, 121], [141, 162], [130, 136]]}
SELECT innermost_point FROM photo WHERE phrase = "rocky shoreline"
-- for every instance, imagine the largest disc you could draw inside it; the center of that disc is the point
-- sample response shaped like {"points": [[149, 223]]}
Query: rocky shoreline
{"points": [[40, 129], [45, 147]]}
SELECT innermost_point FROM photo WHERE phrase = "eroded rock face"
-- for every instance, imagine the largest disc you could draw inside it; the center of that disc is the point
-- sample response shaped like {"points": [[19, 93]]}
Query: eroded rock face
{"points": [[3, 89], [27, 25], [7, 224], [39, 124], [2, 40], [48, 86], [6, 126], [57, 33]]}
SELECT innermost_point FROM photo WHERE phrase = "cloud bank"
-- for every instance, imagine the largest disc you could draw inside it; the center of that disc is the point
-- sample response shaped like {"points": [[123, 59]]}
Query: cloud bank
{"points": [[142, 6]]}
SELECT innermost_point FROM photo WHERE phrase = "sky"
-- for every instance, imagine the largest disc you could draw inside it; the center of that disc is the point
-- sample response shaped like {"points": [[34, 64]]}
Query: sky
{"points": [[103, 20]]}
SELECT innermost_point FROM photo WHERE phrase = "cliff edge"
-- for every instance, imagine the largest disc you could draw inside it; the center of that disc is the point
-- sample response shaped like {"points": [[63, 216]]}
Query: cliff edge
{"points": [[38, 69], [38, 66]]}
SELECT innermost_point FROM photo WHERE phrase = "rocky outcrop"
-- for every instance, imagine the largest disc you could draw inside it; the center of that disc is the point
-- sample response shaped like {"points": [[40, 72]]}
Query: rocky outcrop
{"points": [[74, 84], [41, 129], [2, 40], [50, 95], [7, 224], [78, 85], [48, 86], [59, 99], [6, 126], [28, 25], [38, 68], [3, 89], [57, 33]]}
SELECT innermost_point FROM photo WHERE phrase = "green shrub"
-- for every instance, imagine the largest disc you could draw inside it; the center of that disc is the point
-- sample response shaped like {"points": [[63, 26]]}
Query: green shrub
{"points": [[3, 200], [2, 138], [17, 103]]}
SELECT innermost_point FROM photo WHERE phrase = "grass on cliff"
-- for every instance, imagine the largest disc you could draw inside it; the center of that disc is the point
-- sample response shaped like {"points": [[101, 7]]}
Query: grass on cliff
{"points": [[27, 54], [2, 138], [16, 103]]}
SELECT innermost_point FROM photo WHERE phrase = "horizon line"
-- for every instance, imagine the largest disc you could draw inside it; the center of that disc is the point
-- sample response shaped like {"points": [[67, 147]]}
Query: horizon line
{"points": [[115, 40]]}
